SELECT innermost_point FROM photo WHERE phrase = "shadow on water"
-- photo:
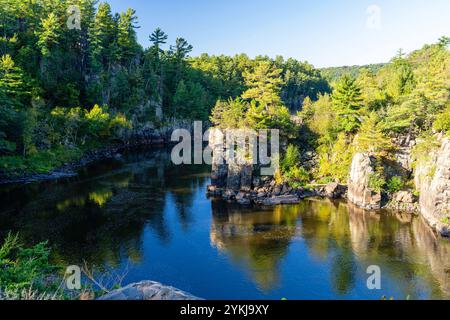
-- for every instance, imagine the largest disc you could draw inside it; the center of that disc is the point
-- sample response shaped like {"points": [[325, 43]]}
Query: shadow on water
{"points": [[145, 212]]}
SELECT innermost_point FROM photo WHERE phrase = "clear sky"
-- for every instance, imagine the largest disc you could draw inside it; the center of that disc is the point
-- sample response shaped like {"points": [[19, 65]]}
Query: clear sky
{"points": [[322, 32]]}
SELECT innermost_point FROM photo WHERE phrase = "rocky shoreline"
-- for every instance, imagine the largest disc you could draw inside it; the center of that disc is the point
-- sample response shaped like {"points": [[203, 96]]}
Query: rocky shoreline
{"points": [[145, 138], [268, 193]]}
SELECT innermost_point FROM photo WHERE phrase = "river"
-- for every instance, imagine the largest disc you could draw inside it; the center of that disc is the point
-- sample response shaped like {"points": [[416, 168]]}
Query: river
{"points": [[146, 219]]}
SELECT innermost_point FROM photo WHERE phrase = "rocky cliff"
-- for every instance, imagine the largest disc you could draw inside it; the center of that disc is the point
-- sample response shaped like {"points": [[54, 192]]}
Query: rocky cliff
{"points": [[359, 192], [432, 179], [235, 175]]}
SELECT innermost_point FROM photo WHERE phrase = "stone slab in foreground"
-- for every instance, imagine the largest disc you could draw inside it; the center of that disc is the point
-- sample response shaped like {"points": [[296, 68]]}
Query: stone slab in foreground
{"points": [[148, 290]]}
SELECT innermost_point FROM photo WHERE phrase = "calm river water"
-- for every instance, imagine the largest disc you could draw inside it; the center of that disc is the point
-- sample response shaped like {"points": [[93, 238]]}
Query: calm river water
{"points": [[151, 220]]}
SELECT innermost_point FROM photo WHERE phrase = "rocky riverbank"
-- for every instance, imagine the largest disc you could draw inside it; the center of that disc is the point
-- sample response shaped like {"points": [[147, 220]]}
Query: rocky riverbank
{"points": [[145, 137], [268, 193]]}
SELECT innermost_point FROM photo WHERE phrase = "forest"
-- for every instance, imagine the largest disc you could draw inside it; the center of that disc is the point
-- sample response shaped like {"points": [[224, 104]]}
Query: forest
{"points": [[64, 91]]}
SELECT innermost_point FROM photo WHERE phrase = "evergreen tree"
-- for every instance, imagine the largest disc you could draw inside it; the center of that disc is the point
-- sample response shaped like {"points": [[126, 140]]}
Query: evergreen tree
{"points": [[370, 137], [126, 35], [264, 85], [347, 101]]}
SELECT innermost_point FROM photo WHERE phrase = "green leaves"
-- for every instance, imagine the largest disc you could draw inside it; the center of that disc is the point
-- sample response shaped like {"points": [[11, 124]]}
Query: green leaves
{"points": [[23, 268], [48, 33], [347, 101]]}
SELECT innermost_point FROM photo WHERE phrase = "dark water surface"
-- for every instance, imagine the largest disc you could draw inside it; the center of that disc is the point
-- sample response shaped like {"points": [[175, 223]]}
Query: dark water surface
{"points": [[144, 215]]}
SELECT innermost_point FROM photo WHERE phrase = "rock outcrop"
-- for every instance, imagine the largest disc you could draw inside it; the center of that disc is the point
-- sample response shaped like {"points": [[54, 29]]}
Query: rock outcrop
{"points": [[236, 175], [432, 179], [359, 192], [148, 290]]}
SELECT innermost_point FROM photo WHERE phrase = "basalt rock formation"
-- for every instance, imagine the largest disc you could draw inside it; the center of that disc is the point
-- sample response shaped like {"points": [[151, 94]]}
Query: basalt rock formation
{"points": [[432, 179], [359, 192]]}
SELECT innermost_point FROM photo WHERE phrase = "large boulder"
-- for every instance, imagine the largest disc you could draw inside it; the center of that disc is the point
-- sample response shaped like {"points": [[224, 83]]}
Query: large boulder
{"points": [[359, 192], [148, 290], [432, 179]]}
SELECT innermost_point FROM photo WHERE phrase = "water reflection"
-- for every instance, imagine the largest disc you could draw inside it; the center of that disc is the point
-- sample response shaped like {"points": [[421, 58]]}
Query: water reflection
{"points": [[409, 253], [258, 240], [155, 216]]}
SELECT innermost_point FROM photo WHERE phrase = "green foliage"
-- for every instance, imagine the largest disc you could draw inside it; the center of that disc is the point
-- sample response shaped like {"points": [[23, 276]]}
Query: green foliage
{"points": [[40, 161], [335, 160], [229, 114], [333, 74], [290, 169], [24, 268], [348, 103], [370, 137], [297, 177], [291, 158], [395, 184], [264, 84], [74, 126], [427, 143], [376, 182], [442, 122]]}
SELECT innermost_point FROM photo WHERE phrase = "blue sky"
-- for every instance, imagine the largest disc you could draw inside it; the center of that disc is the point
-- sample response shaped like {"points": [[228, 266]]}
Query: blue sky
{"points": [[322, 32]]}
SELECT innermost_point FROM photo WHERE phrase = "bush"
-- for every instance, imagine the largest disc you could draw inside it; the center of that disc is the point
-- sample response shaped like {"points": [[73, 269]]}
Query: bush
{"points": [[376, 182], [395, 184], [442, 122], [297, 177], [290, 159], [24, 269]]}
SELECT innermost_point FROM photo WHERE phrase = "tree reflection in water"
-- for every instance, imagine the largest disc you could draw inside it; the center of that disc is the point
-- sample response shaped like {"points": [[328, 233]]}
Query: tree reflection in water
{"points": [[149, 213]]}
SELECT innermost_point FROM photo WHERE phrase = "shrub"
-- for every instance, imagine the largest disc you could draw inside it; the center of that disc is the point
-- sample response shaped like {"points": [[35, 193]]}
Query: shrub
{"points": [[442, 122], [376, 182], [24, 269], [291, 158], [395, 184], [297, 177]]}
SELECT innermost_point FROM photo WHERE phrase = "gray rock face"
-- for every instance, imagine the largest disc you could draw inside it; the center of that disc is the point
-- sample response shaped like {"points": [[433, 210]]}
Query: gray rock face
{"points": [[219, 169], [359, 192], [236, 175], [148, 290], [432, 179]]}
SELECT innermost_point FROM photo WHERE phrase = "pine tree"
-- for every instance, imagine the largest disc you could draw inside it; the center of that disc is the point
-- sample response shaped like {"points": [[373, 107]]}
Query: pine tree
{"points": [[264, 84], [181, 49], [347, 101], [48, 34], [370, 137], [126, 37], [102, 38], [158, 38], [14, 98]]}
